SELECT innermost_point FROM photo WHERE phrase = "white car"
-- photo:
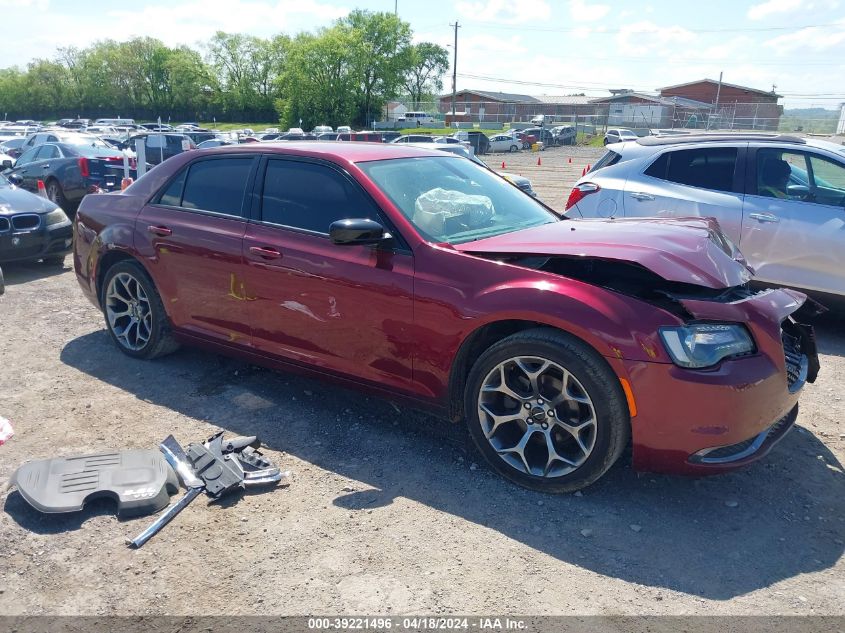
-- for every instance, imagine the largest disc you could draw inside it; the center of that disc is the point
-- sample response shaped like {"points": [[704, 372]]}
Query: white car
{"points": [[619, 135], [504, 143], [781, 199]]}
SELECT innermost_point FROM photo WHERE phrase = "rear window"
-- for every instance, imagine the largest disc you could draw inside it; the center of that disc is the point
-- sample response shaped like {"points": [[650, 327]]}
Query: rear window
{"points": [[708, 168], [610, 158]]}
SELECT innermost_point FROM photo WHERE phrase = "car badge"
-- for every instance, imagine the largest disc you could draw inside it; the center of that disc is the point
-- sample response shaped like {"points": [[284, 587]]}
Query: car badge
{"points": [[16, 241]]}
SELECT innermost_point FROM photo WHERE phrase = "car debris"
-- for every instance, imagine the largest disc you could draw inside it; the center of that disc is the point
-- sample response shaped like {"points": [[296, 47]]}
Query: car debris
{"points": [[142, 480], [213, 467]]}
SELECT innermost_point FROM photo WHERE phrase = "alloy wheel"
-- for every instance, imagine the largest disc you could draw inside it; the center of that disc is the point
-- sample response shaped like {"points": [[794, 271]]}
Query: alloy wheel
{"points": [[128, 311], [537, 416]]}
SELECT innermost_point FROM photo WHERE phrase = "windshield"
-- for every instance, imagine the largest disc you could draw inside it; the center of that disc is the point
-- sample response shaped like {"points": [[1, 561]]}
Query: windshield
{"points": [[454, 200], [83, 140]]}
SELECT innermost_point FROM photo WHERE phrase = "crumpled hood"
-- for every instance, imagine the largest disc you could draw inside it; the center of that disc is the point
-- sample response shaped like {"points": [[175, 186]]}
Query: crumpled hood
{"points": [[17, 200], [684, 250]]}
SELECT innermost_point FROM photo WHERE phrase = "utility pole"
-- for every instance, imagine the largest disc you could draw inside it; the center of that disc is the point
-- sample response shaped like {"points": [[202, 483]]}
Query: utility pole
{"points": [[455, 69], [718, 92], [395, 7]]}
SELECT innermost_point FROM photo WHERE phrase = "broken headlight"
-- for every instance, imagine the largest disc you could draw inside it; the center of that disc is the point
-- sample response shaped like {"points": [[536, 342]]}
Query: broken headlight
{"points": [[705, 344]]}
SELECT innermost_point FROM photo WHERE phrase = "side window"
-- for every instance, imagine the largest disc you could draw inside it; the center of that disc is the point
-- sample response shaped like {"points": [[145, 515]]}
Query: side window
{"points": [[217, 185], [708, 168], [828, 186], [27, 157], [46, 152], [782, 174], [172, 196], [311, 197]]}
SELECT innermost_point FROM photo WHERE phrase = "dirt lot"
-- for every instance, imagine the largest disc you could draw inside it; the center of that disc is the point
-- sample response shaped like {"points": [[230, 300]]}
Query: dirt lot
{"points": [[388, 511]]}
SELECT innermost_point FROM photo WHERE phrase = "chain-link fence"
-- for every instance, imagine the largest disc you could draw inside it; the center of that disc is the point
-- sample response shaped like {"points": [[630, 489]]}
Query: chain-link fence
{"points": [[680, 114]]}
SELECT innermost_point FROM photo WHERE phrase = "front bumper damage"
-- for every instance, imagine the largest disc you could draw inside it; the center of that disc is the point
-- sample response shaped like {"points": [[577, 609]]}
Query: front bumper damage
{"points": [[709, 421]]}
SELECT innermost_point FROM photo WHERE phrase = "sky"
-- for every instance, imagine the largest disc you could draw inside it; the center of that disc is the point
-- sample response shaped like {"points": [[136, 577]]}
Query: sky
{"points": [[537, 47]]}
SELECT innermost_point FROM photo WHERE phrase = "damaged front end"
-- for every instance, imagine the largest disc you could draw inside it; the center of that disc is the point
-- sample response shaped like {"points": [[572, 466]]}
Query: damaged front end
{"points": [[716, 411]]}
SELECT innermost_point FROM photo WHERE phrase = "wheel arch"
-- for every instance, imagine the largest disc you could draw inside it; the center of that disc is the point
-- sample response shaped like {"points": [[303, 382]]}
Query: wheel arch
{"points": [[107, 261], [481, 339]]}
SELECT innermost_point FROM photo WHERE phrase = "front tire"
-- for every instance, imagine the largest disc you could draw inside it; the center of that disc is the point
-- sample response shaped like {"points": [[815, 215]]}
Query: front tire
{"points": [[546, 411], [135, 316]]}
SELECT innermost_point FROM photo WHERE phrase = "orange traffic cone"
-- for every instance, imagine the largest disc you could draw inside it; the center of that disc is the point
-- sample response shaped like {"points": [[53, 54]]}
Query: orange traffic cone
{"points": [[570, 160], [42, 190], [539, 162], [588, 167], [584, 172], [125, 183], [503, 164]]}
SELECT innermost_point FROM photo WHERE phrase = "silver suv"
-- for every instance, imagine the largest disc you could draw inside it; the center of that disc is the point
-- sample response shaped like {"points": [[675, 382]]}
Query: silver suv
{"points": [[780, 198]]}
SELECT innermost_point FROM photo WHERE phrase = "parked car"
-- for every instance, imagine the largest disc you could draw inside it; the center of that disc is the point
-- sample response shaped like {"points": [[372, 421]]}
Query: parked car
{"points": [[388, 136], [542, 134], [31, 227], [12, 146], [427, 277], [414, 138], [69, 172], [479, 142], [68, 137], [321, 129], [215, 142], [521, 182], [781, 198], [366, 137], [327, 136], [344, 129], [619, 135], [564, 135], [161, 146], [504, 143], [199, 136]]}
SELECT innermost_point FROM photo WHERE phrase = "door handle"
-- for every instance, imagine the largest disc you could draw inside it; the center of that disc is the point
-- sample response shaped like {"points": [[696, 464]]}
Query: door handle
{"points": [[45, 167], [638, 195], [161, 231], [764, 217], [265, 252]]}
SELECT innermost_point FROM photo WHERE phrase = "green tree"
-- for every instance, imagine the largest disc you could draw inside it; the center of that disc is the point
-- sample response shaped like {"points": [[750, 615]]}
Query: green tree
{"points": [[424, 76], [378, 58]]}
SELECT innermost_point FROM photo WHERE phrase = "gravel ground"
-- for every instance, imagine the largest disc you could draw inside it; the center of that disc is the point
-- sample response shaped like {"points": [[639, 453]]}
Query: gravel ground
{"points": [[388, 511]]}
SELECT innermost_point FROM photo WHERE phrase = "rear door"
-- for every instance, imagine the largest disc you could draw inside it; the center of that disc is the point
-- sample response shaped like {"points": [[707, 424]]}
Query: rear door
{"points": [[793, 232], [191, 236], [702, 181], [346, 309]]}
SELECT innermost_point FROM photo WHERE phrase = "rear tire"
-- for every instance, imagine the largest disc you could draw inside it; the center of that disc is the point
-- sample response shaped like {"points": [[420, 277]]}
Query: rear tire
{"points": [[514, 148], [134, 313], [55, 194], [546, 411], [56, 260]]}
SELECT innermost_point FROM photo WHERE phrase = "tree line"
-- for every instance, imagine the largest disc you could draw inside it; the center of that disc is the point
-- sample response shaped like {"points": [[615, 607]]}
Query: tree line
{"points": [[343, 74]]}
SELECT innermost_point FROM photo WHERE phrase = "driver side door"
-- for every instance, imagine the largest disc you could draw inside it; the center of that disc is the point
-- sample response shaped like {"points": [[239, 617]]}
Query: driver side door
{"points": [[797, 240]]}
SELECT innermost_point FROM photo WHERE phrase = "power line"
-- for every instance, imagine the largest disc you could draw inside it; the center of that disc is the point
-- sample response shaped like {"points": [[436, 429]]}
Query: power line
{"points": [[548, 29]]}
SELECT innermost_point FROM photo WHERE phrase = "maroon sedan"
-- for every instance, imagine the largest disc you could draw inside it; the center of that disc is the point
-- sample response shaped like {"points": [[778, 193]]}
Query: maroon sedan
{"points": [[421, 275]]}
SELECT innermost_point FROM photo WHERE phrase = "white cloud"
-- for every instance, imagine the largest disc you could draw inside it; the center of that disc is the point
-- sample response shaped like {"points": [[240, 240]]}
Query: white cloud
{"points": [[583, 12], [771, 7], [505, 11], [640, 37], [816, 39]]}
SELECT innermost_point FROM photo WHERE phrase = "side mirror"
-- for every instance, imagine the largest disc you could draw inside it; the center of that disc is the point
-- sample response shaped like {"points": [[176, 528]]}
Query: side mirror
{"points": [[7, 164], [358, 231], [15, 179]]}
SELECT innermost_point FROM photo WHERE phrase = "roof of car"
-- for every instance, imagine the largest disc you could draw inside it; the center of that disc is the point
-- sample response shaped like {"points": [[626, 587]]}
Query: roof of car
{"points": [[346, 151], [709, 138]]}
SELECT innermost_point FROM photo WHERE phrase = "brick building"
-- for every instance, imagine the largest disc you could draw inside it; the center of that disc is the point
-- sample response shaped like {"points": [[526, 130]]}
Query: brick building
{"points": [[737, 107]]}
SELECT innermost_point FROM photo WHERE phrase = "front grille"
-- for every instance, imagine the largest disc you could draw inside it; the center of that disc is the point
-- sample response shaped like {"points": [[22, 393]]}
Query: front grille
{"points": [[796, 361], [26, 221], [4, 225]]}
